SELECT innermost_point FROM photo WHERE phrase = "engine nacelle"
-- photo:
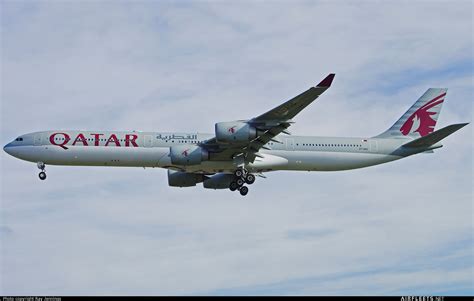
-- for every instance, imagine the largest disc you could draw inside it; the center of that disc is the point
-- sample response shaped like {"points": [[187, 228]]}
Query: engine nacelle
{"points": [[218, 181], [234, 131], [188, 154], [183, 179]]}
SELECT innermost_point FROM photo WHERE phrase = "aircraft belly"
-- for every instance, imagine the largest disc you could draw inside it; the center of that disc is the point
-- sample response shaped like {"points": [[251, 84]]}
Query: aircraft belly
{"points": [[269, 162], [331, 161], [158, 157], [297, 160], [209, 167], [94, 156]]}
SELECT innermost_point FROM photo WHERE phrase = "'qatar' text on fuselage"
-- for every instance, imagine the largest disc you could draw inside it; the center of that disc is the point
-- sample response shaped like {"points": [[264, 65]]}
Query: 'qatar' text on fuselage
{"points": [[63, 139]]}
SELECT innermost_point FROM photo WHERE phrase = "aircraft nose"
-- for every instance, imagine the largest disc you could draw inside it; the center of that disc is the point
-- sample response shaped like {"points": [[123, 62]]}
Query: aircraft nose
{"points": [[7, 148]]}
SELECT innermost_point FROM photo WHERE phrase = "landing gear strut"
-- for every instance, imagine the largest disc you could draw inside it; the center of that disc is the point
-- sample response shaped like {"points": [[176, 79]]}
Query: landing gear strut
{"points": [[242, 176], [42, 174]]}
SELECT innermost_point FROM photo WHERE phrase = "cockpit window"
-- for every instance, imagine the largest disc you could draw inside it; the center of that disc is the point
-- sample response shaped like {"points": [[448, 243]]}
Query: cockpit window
{"points": [[19, 139]]}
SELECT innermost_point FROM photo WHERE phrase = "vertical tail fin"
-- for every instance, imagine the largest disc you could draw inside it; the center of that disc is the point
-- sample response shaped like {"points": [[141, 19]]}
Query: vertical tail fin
{"points": [[421, 118]]}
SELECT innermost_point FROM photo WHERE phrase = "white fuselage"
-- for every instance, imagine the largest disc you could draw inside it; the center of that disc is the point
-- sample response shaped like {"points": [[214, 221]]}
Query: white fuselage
{"points": [[151, 149]]}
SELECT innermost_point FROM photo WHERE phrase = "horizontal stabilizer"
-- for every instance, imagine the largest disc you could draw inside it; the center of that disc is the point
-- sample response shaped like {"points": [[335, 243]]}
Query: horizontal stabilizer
{"points": [[436, 136]]}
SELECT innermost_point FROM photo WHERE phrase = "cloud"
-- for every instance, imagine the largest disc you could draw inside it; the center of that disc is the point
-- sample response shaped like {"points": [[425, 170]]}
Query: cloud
{"points": [[399, 228]]}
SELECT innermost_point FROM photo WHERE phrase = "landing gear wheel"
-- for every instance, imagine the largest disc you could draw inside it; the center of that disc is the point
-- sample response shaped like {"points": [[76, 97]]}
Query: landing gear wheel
{"points": [[42, 175], [233, 186], [244, 190], [249, 179], [238, 173], [240, 182]]}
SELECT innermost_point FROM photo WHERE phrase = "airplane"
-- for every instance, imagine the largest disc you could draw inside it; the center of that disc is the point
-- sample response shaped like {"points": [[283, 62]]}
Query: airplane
{"points": [[240, 150]]}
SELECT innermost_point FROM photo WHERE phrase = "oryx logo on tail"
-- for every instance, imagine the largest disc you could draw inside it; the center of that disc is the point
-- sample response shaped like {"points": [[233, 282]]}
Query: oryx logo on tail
{"points": [[421, 120]]}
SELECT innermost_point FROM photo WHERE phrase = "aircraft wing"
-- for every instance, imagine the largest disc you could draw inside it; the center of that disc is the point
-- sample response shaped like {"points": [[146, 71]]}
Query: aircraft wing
{"points": [[267, 125], [293, 106]]}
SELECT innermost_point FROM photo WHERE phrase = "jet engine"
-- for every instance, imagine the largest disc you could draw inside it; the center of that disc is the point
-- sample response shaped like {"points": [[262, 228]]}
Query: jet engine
{"points": [[188, 154], [218, 181], [183, 179], [234, 131]]}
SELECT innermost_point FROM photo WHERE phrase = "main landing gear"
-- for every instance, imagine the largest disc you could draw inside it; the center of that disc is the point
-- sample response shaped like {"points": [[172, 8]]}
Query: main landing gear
{"points": [[42, 174], [242, 176]]}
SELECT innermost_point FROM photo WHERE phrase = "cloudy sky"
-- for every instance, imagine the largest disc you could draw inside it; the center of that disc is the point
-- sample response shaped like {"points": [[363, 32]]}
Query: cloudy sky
{"points": [[405, 227]]}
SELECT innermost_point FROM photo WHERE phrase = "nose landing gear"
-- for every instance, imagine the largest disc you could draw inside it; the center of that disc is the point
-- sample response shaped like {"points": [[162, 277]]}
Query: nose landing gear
{"points": [[42, 174], [242, 176]]}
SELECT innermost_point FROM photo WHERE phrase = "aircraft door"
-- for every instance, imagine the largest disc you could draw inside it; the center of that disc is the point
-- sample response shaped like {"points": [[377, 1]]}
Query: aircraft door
{"points": [[290, 144], [38, 139], [373, 146], [148, 141]]}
